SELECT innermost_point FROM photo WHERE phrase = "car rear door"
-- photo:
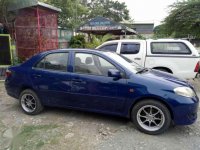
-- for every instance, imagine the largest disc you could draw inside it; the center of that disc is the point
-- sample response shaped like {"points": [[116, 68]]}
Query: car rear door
{"points": [[51, 79], [92, 89], [135, 51]]}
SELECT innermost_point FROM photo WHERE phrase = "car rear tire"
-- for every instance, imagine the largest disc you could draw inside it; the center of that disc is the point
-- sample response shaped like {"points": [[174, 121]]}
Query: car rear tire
{"points": [[30, 103], [151, 117]]}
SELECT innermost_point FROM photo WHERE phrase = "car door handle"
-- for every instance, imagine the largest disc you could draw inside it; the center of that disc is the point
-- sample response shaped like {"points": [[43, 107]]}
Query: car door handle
{"points": [[137, 58]]}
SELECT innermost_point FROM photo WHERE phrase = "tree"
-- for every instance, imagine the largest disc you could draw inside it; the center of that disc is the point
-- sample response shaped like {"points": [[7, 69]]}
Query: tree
{"points": [[161, 31], [110, 9], [76, 12], [183, 20], [73, 12], [3, 10]]}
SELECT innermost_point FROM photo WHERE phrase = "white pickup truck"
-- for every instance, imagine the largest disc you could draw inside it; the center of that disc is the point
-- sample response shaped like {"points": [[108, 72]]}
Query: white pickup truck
{"points": [[178, 57]]}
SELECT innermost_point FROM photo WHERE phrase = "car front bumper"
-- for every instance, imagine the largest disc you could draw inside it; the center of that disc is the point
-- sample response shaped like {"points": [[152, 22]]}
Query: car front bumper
{"points": [[186, 114]]}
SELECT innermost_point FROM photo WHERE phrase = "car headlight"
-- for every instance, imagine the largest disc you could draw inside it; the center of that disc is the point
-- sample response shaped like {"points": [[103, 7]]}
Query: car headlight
{"points": [[184, 91]]}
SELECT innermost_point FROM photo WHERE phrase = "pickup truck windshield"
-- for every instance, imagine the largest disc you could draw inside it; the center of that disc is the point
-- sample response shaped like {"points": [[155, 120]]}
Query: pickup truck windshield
{"points": [[127, 63]]}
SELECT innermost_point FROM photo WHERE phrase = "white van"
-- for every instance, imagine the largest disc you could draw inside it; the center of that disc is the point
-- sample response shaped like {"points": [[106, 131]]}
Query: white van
{"points": [[178, 57]]}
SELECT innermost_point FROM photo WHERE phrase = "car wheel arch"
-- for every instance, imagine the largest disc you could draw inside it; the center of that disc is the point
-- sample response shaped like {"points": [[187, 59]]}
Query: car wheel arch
{"points": [[164, 68], [24, 87], [36, 105], [151, 98]]}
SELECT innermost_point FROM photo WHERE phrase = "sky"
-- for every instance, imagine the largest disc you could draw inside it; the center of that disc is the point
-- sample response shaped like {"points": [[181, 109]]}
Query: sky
{"points": [[148, 10]]}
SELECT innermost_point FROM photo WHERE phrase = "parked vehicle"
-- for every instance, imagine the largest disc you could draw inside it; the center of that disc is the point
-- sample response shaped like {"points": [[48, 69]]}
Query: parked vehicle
{"points": [[102, 82], [178, 57]]}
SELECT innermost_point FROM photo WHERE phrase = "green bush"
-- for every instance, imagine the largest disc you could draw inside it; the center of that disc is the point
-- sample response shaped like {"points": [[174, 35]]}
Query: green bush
{"points": [[77, 41], [98, 40], [17, 61]]}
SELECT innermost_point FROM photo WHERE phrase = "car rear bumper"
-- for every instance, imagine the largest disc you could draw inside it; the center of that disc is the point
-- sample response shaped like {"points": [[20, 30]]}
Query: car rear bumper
{"points": [[11, 90]]}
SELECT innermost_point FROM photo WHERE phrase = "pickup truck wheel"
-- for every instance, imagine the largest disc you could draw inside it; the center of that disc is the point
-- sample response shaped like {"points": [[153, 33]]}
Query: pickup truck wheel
{"points": [[30, 103], [151, 117]]}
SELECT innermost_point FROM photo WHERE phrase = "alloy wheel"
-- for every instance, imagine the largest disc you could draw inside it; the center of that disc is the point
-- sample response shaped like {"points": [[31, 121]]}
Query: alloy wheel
{"points": [[150, 118], [28, 103]]}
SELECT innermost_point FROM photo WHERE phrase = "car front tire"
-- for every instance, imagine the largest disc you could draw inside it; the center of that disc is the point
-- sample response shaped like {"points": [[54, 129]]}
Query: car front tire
{"points": [[151, 117], [30, 103]]}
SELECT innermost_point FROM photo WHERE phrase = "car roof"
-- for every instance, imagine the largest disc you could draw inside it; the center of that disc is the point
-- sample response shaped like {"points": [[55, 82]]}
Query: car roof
{"points": [[123, 40], [71, 49], [32, 60], [140, 40]]}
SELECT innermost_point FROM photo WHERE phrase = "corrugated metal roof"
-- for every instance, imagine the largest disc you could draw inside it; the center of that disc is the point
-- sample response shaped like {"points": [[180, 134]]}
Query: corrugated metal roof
{"points": [[49, 6], [102, 25], [20, 4]]}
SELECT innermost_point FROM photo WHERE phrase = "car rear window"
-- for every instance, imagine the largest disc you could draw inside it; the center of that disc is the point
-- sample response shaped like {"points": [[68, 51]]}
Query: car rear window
{"points": [[55, 61], [169, 48]]}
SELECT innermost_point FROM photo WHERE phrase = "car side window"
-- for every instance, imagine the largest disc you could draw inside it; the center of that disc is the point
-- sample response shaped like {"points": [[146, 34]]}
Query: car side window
{"points": [[130, 48], [91, 64], [109, 47], [56, 62], [169, 48]]}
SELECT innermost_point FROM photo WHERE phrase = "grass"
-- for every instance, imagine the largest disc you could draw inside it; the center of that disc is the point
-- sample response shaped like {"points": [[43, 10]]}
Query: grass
{"points": [[2, 126], [35, 137], [2, 129]]}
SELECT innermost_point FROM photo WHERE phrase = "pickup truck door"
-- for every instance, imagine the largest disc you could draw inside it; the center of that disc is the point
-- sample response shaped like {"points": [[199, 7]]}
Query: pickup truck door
{"points": [[135, 51]]}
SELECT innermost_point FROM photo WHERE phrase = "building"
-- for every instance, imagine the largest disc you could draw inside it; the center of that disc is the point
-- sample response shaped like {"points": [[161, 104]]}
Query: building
{"points": [[101, 26], [145, 29], [64, 36], [35, 27]]}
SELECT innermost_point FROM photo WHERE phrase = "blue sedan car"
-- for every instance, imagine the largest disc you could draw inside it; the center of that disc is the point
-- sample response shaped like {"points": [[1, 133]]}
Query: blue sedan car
{"points": [[103, 82]]}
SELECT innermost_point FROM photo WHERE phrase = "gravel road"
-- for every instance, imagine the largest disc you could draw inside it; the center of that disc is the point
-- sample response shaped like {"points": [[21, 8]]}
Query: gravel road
{"points": [[75, 130]]}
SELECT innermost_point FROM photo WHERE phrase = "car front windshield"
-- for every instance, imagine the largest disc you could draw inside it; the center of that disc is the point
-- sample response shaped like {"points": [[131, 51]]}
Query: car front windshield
{"points": [[125, 62]]}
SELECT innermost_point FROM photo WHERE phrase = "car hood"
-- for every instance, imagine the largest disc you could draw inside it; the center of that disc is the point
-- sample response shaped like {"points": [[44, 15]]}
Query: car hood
{"points": [[164, 77]]}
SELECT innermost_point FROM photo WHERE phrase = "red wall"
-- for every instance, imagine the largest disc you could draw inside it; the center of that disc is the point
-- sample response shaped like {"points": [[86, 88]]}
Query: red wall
{"points": [[35, 31]]}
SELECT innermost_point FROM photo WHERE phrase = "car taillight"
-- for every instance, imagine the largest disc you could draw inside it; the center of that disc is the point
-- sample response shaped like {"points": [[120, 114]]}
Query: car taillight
{"points": [[197, 68], [8, 73]]}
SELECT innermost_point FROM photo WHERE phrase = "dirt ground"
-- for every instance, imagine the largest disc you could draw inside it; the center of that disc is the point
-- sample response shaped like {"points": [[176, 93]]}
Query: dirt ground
{"points": [[63, 129]]}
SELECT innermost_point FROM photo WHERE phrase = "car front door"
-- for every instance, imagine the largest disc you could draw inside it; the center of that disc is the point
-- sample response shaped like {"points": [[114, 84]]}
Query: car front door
{"points": [[92, 89], [52, 80]]}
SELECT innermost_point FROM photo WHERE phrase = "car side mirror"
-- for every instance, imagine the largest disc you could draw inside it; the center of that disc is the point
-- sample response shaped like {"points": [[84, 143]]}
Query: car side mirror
{"points": [[114, 73]]}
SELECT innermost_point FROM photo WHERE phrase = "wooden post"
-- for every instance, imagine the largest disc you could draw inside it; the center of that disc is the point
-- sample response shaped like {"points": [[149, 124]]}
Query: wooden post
{"points": [[38, 26]]}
